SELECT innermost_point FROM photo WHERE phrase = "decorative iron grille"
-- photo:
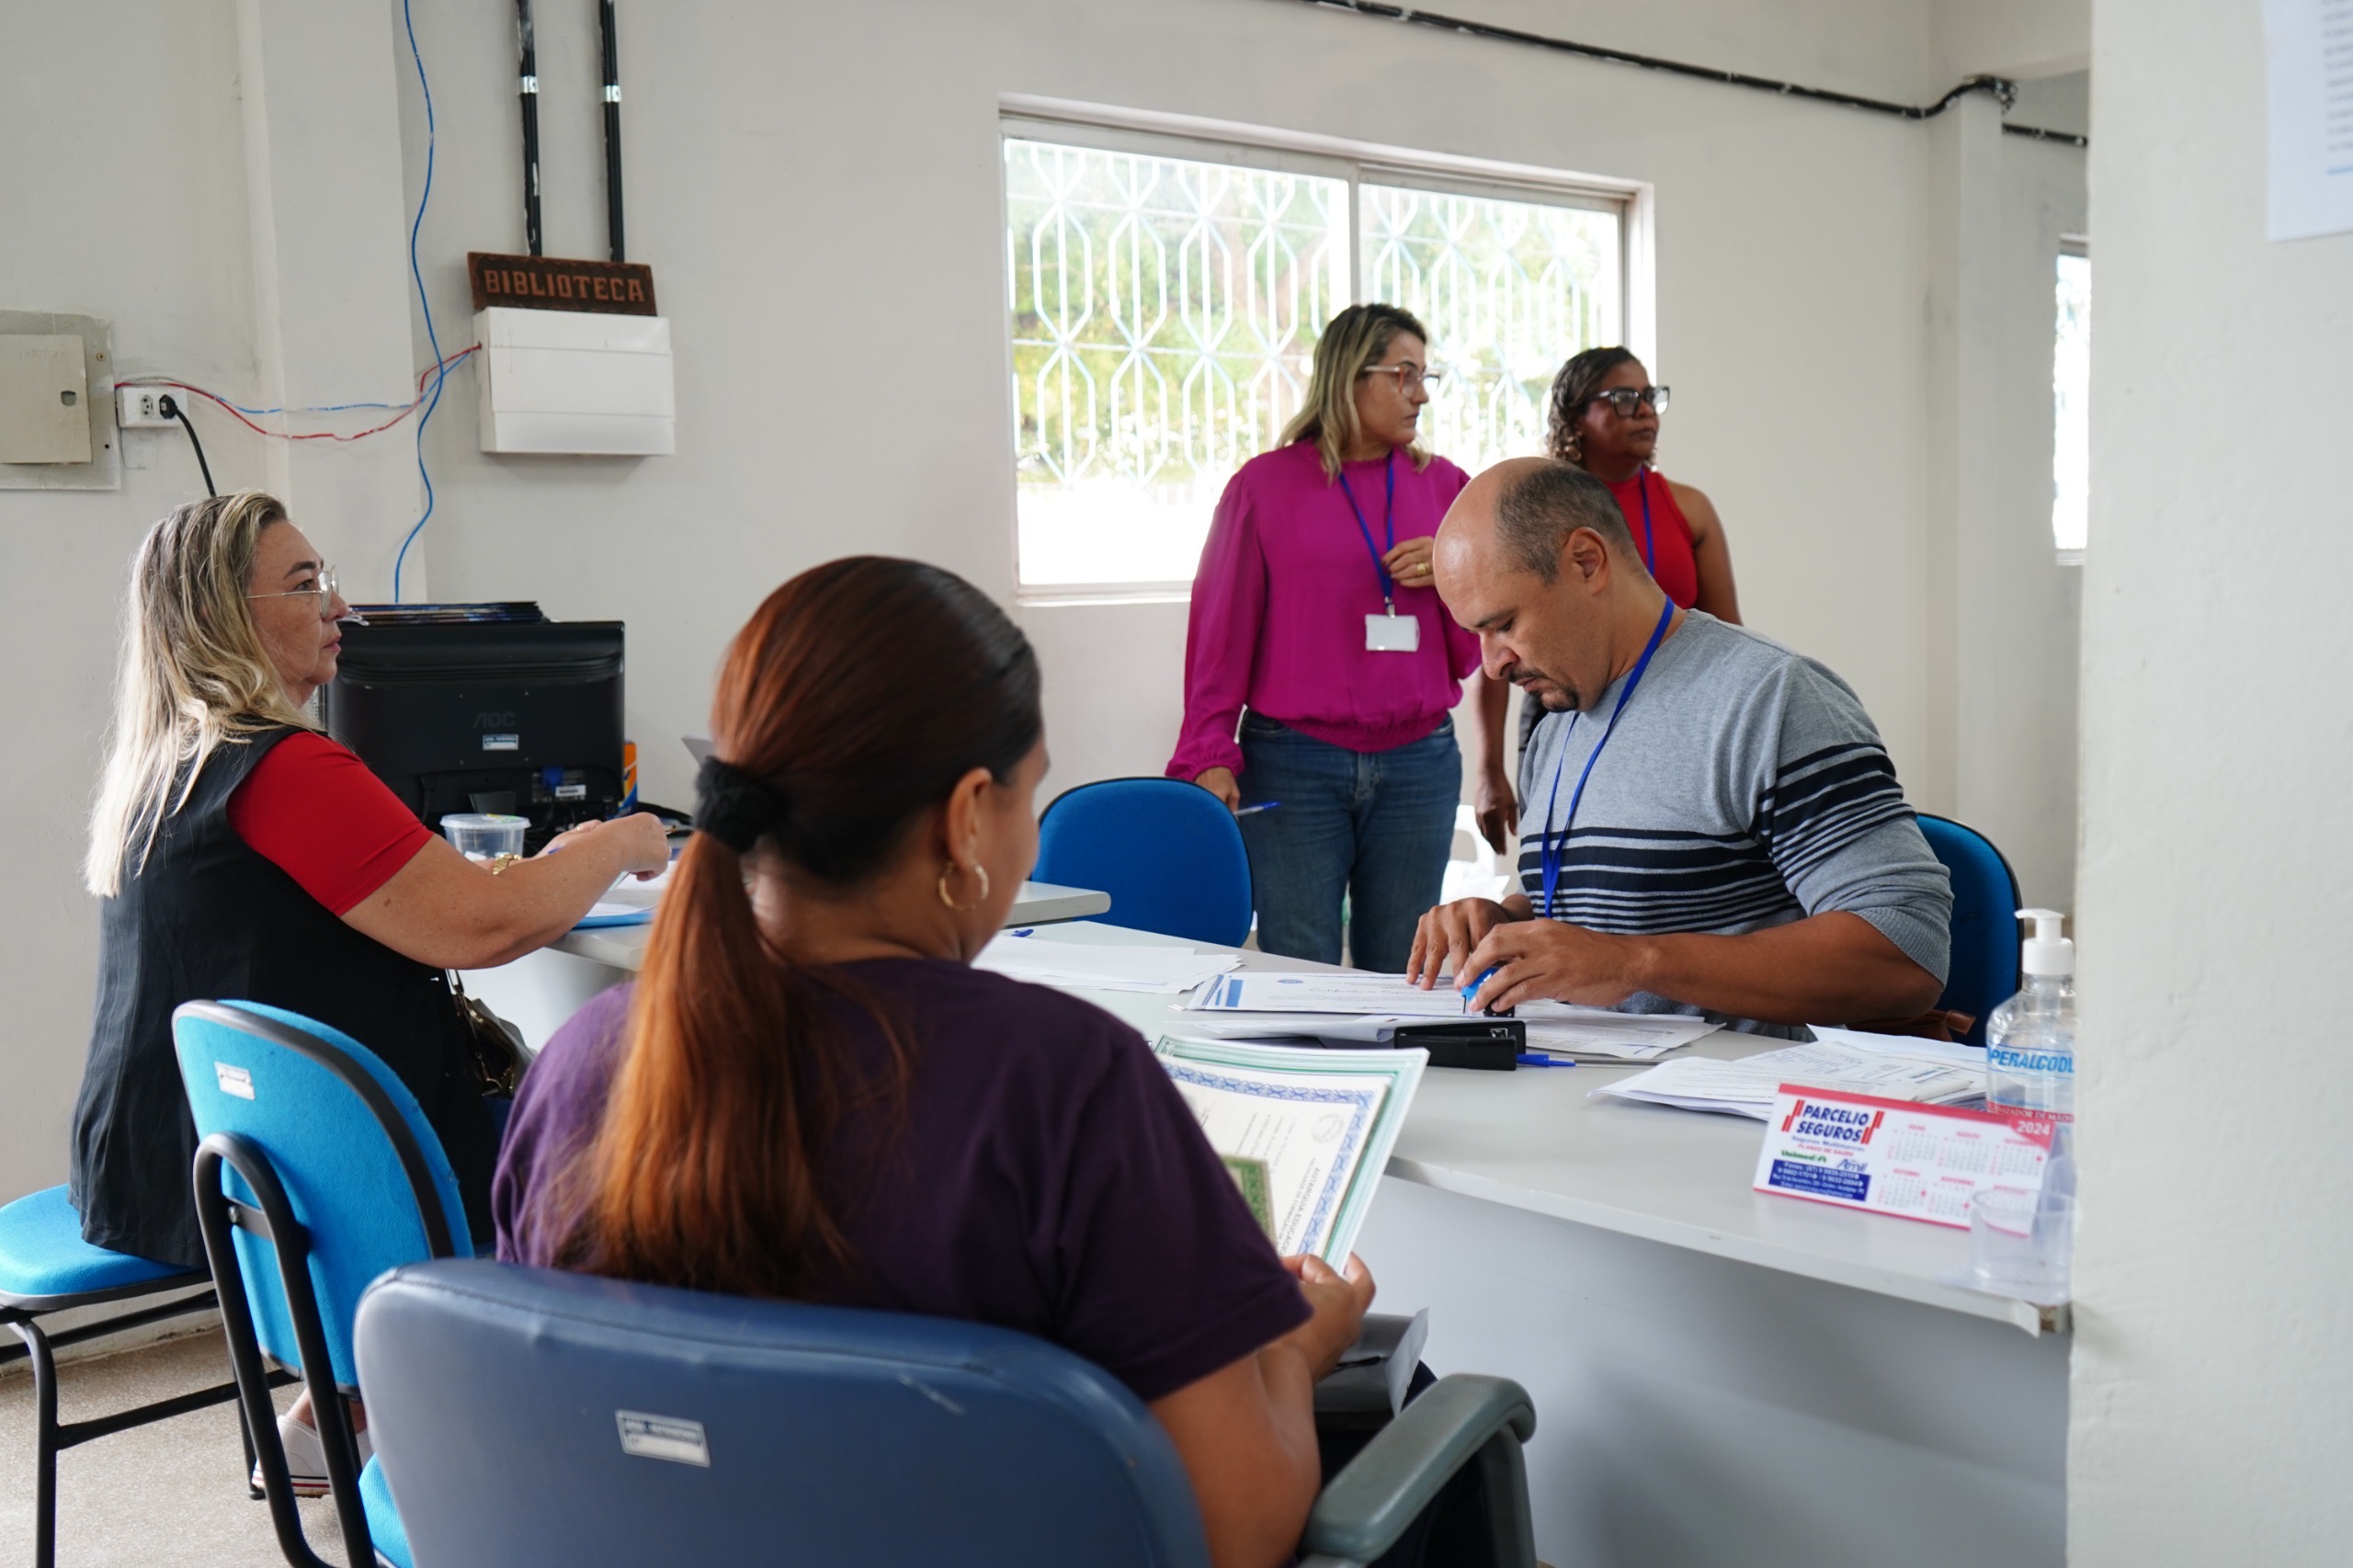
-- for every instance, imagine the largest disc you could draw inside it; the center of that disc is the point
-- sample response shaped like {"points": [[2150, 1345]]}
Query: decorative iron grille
{"points": [[1164, 316], [1509, 289]]}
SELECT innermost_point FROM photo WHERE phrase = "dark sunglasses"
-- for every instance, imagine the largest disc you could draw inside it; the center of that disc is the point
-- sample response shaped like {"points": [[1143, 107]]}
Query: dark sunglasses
{"points": [[1622, 400]]}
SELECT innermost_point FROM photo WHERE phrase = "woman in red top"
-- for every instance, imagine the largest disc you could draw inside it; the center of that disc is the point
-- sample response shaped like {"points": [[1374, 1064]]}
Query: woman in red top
{"points": [[1605, 420], [239, 854]]}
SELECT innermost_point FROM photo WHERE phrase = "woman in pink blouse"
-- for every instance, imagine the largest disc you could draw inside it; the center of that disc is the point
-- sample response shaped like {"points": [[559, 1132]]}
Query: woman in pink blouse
{"points": [[1321, 669]]}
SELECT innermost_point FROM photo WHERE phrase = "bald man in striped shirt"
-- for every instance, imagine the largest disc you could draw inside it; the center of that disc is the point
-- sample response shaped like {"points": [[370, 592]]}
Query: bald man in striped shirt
{"points": [[1711, 824]]}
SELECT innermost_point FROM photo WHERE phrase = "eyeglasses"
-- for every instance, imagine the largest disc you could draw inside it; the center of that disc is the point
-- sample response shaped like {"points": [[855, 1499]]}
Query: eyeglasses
{"points": [[1622, 400], [1409, 375], [323, 591]]}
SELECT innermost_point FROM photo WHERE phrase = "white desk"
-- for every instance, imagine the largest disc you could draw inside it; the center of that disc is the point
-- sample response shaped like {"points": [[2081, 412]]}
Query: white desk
{"points": [[538, 992], [1719, 1377]]}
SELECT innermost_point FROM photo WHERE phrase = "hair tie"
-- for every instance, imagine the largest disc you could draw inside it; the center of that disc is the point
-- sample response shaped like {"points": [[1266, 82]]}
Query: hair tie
{"points": [[735, 808]]}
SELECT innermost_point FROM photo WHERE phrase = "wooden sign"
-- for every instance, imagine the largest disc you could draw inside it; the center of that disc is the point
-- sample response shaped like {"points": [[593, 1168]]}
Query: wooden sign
{"points": [[549, 283]]}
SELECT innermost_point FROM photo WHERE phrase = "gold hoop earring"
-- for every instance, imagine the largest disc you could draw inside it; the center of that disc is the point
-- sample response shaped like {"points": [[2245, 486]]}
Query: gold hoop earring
{"points": [[978, 870]]}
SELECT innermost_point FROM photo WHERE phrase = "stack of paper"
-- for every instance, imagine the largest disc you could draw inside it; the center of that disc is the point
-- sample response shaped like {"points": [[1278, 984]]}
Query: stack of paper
{"points": [[1099, 967], [1306, 1134], [1747, 1088], [1598, 1035], [1348, 993], [1372, 1007]]}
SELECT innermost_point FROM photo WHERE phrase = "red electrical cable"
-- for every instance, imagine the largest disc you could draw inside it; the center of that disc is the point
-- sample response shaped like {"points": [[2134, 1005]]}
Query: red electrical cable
{"points": [[238, 414]]}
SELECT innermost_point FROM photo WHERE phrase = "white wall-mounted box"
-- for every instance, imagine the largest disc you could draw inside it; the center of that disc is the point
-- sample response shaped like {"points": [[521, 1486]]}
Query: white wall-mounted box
{"points": [[572, 381]]}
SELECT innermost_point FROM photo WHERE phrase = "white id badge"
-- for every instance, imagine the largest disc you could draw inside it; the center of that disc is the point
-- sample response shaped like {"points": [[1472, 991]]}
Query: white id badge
{"points": [[1391, 633]]}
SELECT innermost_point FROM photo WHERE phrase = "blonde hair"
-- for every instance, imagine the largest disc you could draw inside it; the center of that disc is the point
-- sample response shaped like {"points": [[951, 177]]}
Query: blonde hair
{"points": [[1354, 340], [193, 676]]}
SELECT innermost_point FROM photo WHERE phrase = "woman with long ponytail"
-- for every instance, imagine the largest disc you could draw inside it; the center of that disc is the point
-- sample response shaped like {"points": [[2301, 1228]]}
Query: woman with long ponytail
{"points": [[810, 1095]]}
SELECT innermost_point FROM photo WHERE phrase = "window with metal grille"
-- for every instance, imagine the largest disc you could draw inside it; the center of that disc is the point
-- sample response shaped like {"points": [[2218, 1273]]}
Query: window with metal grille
{"points": [[1164, 302]]}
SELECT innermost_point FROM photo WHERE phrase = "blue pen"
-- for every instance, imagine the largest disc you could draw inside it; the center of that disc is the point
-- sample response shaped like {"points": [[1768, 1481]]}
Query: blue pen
{"points": [[1261, 806], [1538, 1059], [1473, 989]]}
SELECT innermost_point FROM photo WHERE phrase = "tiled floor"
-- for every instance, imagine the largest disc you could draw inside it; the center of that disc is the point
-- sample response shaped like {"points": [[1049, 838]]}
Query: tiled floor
{"points": [[167, 1493]]}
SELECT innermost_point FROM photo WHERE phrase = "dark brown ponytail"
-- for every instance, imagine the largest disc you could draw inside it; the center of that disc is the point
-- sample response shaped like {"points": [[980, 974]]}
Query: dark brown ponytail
{"points": [[852, 702]]}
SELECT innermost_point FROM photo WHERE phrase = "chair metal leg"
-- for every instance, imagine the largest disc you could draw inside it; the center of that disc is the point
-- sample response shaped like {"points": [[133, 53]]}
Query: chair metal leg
{"points": [[245, 1436], [54, 1437], [44, 1442], [273, 1222]]}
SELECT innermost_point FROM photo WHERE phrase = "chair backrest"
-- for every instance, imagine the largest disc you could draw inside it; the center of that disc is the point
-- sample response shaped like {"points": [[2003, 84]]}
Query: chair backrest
{"points": [[1168, 853], [526, 1416], [362, 1169], [1985, 971]]}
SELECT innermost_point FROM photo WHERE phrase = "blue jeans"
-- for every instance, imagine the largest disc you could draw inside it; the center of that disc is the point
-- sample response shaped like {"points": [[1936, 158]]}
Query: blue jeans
{"points": [[1375, 826]]}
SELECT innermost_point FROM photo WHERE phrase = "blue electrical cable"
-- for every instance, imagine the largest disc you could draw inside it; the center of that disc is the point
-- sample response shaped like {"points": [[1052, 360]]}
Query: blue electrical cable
{"points": [[433, 340]]}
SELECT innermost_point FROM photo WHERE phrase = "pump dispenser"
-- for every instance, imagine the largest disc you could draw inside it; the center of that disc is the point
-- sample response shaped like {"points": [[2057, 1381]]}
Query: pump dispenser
{"points": [[2046, 951], [2030, 1039]]}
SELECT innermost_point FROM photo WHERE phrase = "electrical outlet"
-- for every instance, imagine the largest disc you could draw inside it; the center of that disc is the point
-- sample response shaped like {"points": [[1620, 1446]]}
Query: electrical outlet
{"points": [[140, 406]]}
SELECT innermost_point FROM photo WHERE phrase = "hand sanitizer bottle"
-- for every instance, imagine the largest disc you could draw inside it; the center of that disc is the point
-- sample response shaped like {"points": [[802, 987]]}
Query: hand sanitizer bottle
{"points": [[2031, 1039]]}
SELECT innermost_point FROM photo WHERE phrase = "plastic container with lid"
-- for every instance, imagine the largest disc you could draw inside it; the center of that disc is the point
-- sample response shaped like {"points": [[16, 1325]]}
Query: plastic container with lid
{"points": [[486, 835]]}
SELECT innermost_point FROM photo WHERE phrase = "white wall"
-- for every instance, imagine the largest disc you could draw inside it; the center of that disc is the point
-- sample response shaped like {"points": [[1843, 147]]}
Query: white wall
{"points": [[842, 227], [817, 189], [2212, 1350], [138, 217], [2020, 607]]}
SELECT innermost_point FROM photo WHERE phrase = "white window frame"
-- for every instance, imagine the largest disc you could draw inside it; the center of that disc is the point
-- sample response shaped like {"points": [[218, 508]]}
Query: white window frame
{"points": [[1024, 116]]}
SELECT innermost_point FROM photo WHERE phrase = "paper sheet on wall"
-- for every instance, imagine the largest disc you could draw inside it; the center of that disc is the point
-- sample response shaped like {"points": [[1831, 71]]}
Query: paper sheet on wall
{"points": [[2308, 51]]}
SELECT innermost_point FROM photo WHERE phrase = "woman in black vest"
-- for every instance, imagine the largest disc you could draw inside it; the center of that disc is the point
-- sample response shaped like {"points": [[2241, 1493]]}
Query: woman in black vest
{"points": [[240, 854]]}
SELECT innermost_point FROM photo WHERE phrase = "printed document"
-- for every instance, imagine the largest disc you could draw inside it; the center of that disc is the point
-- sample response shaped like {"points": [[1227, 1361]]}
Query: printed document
{"points": [[1099, 966], [1306, 1132], [1328, 991], [1749, 1087]]}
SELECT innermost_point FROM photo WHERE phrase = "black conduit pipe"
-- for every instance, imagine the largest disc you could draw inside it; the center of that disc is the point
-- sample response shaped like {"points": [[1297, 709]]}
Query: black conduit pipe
{"points": [[529, 94], [612, 126], [2001, 88]]}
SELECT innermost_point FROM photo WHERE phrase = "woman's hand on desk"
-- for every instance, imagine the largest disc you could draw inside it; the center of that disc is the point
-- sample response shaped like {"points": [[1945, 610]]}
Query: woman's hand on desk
{"points": [[444, 910], [1443, 941], [638, 839]]}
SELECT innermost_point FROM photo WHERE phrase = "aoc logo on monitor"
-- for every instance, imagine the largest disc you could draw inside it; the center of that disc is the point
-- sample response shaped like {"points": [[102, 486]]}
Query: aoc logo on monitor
{"points": [[499, 731]]}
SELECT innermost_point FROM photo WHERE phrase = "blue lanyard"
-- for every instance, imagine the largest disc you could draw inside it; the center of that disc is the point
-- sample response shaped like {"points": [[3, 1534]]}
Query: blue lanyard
{"points": [[1388, 520], [1550, 853], [1642, 486]]}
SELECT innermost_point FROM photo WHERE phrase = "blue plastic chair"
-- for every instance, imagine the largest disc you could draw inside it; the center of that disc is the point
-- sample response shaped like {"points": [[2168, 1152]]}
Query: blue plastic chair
{"points": [[316, 1173], [526, 1416], [1985, 966], [46, 1267], [1168, 852]]}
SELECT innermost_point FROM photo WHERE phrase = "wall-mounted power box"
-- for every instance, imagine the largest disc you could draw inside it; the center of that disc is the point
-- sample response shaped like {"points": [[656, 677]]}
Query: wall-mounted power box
{"points": [[575, 382]]}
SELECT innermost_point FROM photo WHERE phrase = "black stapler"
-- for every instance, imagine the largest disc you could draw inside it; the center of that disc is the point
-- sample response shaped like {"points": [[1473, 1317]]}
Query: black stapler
{"points": [[1490, 1045]]}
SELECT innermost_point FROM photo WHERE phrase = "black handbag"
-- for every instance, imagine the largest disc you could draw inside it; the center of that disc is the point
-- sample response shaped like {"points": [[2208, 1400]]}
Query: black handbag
{"points": [[497, 1045]]}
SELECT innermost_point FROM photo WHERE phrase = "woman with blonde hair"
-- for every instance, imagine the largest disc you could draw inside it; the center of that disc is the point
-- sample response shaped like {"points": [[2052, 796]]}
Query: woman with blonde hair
{"points": [[238, 853], [1317, 634]]}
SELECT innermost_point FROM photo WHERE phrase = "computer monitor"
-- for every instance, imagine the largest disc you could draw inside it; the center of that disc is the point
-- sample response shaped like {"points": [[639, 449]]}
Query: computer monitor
{"points": [[484, 709]]}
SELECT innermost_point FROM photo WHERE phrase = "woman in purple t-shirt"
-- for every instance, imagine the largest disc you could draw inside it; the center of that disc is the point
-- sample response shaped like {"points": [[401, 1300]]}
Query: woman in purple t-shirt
{"points": [[810, 1095]]}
